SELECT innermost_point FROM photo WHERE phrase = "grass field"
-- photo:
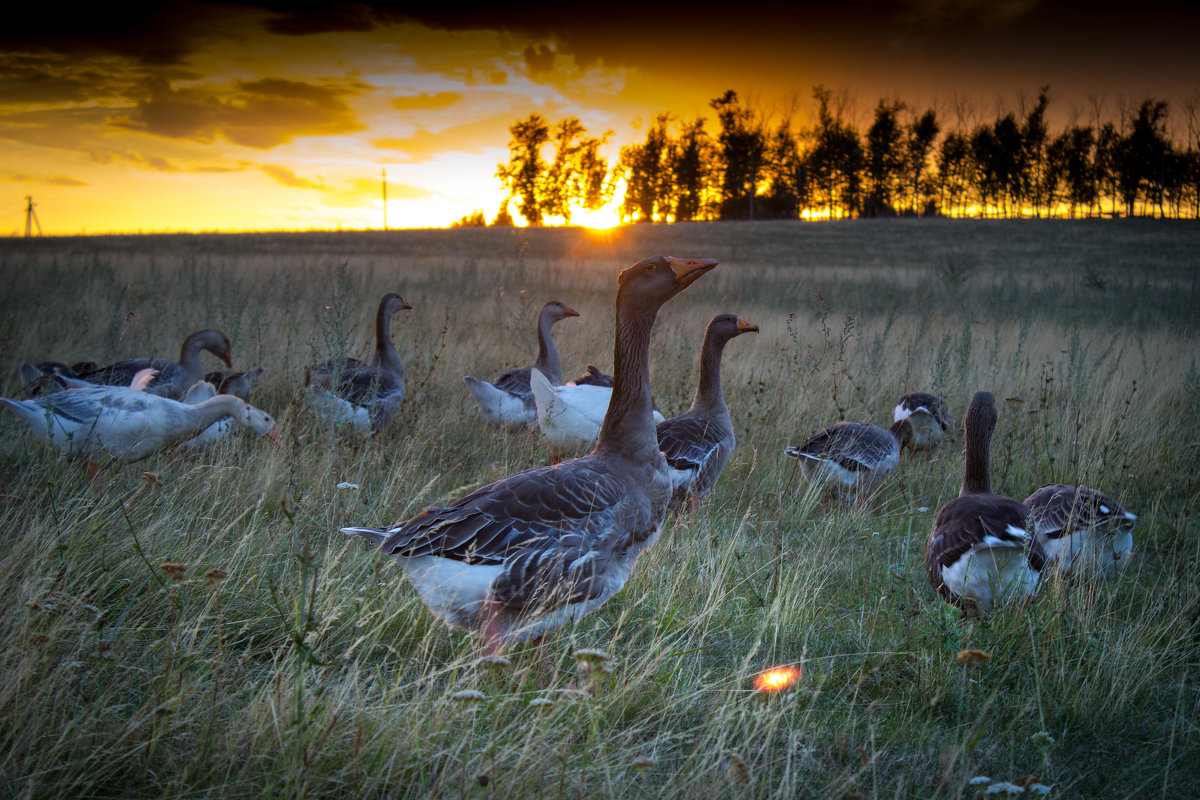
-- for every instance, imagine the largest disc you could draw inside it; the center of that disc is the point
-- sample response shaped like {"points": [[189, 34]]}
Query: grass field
{"points": [[312, 669]]}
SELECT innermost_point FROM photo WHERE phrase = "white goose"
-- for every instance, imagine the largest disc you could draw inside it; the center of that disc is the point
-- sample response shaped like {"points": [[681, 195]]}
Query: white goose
{"points": [[198, 393], [981, 550], [929, 417], [544, 547], [362, 396], [128, 424], [507, 402], [850, 459], [1083, 532], [570, 416], [698, 443]]}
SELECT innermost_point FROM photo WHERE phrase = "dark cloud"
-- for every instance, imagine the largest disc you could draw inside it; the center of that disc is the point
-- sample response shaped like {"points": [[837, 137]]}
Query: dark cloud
{"points": [[260, 114]]}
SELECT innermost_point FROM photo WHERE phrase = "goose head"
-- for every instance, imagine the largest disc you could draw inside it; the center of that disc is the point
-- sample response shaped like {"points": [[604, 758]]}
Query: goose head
{"points": [[214, 342], [257, 421], [653, 281], [724, 327], [557, 310], [391, 302]]}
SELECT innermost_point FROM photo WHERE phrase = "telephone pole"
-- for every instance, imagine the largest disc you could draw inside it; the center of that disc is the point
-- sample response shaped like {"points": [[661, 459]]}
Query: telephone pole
{"points": [[385, 199], [31, 217]]}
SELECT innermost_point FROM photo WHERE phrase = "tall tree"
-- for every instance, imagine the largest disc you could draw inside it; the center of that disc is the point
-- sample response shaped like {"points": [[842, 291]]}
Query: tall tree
{"points": [[954, 163], [692, 171], [742, 144], [836, 160], [576, 177], [1034, 137], [523, 176], [919, 138], [884, 157], [647, 173]]}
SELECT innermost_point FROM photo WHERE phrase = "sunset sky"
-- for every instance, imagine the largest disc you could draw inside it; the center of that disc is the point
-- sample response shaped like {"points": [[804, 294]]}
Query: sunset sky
{"points": [[203, 116]]}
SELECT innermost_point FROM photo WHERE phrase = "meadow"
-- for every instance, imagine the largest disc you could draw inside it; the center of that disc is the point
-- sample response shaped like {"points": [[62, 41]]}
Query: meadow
{"points": [[279, 658]]}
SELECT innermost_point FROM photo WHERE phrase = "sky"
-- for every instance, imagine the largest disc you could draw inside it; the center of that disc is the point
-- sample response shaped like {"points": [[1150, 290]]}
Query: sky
{"points": [[234, 117]]}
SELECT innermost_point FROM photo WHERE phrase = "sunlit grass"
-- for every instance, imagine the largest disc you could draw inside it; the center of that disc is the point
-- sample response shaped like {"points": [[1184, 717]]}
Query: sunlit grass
{"points": [[283, 658]]}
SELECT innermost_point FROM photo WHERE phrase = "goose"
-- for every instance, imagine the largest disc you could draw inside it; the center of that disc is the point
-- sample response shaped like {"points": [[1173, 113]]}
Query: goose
{"points": [[198, 393], [929, 417], [1082, 531], [238, 384], [173, 377], [507, 402], [357, 395], [570, 416], [544, 547], [126, 423], [698, 443], [981, 552], [850, 459], [593, 377]]}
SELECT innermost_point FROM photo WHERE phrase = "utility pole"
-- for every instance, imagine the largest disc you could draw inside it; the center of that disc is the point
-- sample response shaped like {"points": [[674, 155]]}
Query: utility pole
{"points": [[31, 216], [385, 199]]}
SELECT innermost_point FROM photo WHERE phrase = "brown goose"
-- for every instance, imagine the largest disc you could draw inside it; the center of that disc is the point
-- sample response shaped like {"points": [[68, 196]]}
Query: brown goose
{"points": [[238, 384], [172, 378], [546, 546], [594, 377], [362, 396], [850, 459], [1082, 531], [698, 443], [981, 551], [507, 402], [929, 417]]}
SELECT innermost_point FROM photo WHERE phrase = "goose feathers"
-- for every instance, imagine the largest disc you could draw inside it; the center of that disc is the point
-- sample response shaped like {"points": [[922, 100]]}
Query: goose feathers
{"points": [[1082, 530], [848, 457], [929, 417]]}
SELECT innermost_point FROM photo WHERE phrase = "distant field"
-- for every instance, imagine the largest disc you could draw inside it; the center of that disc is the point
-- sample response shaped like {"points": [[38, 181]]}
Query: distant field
{"points": [[312, 669]]}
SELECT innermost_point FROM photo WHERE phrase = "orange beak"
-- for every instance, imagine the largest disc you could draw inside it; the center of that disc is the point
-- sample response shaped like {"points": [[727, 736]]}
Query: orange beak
{"points": [[405, 306], [746, 327], [273, 435], [570, 312], [227, 357], [687, 270]]}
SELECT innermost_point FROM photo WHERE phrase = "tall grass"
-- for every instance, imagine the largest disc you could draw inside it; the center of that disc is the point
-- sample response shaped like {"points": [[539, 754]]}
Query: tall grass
{"points": [[282, 659]]}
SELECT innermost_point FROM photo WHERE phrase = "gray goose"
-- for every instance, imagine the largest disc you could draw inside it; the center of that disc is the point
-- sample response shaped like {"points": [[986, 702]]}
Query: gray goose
{"points": [[1083, 532], [172, 378], [929, 417], [507, 402], [544, 547], [850, 459], [698, 443], [238, 384], [362, 396], [981, 550]]}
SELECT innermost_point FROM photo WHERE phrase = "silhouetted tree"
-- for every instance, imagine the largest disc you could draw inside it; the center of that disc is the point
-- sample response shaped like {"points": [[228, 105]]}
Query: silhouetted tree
{"points": [[784, 173], [647, 173], [1104, 163], [835, 163], [918, 142], [473, 220], [523, 176], [742, 143], [1034, 136], [884, 158], [576, 176], [954, 172], [1079, 170], [692, 172]]}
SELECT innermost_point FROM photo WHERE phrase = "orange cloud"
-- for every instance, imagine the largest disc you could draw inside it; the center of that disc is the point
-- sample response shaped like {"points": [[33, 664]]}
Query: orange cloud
{"points": [[66, 180], [425, 102], [289, 178]]}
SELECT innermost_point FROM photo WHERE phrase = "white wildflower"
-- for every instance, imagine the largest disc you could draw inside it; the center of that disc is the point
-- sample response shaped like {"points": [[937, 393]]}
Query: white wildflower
{"points": [[1039, 788], [979, 780], [1042, 739], [1004, 787], [642, 762], [923, 508], [468, 697], [541, 702], [346, 486]]}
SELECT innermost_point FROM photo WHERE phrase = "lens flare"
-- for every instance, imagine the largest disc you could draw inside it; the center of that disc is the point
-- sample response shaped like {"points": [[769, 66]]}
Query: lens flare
{"points": [[776, 679]]}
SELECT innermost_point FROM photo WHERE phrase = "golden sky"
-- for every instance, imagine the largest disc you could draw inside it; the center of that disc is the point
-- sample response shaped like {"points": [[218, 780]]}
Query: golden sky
{"points": [[207, 116]]}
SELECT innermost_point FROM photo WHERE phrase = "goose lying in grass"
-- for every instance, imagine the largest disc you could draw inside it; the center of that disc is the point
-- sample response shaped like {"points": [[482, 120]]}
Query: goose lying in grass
{"points": [[1082, 531], [698, 443], [571, 416], [198, 393], [128, 424], [238, 384], [982, 551], [173, 378], [929, 417], [544, 547], [362, 396], [593, 377], [507, 402], [850, 459]]}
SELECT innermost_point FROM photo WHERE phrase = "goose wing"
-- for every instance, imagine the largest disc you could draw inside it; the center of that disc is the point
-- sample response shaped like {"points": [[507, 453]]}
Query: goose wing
{"points": [[122, 373], [851, 445], [923, 401], [555, 531], [1059, 509], [979, 521], [516, 383], [695, 443]]}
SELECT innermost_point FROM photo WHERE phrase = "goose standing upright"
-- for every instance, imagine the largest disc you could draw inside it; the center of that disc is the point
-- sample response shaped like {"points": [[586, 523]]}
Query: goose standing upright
{"points": [[507, 402], [981, 550], [850, 459], [362, 396], [929, 417], [544, 547], [1082, 531], [173, 378], [698, 443], [126, 423]]}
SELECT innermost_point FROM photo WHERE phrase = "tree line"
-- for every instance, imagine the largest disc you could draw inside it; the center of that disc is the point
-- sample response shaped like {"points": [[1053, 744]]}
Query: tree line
{"points": [[908, 161]]}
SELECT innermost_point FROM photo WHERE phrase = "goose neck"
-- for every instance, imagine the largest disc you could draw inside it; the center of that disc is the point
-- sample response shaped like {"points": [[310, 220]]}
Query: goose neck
{"points": [[628, 428], [385, 351], [548, 362], [708, 389]]}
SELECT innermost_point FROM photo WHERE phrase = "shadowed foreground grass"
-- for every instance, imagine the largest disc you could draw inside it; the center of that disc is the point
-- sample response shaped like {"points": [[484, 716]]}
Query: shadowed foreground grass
{"points": [[279, 658]]}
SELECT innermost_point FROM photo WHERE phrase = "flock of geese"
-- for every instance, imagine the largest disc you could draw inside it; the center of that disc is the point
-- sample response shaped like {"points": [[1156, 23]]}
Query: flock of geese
{"points": [[541, 548]]}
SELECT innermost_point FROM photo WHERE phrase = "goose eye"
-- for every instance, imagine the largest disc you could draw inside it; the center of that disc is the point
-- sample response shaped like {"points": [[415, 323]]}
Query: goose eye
{"points": [[650, 267]]}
